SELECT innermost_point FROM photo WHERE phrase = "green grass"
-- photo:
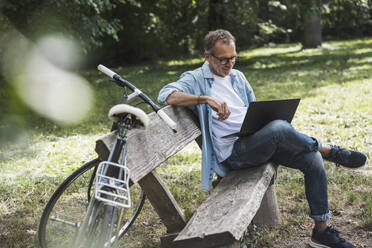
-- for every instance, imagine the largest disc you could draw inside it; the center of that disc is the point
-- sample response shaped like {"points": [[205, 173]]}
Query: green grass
{"points": [[335, 84]]}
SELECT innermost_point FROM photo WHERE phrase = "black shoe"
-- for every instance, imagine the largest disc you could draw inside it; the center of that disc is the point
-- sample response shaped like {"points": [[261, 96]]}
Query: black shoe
{"points": [[328, 238], [347, 158]]}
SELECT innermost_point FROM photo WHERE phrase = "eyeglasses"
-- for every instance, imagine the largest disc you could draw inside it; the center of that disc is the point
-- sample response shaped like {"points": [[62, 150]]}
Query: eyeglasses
{"points": [[224, 61]]}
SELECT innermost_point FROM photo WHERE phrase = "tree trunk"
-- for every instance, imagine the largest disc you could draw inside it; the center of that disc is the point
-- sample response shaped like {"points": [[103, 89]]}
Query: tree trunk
{"points": [[263, 11], [215, 17], [312, 31], [312, 26]]}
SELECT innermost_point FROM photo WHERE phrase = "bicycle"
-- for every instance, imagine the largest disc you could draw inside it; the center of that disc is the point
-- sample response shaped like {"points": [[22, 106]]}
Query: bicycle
{"points": [[97, 204]]}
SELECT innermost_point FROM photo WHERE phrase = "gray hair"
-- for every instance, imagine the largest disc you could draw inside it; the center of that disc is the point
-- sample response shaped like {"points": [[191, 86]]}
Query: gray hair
{"points": [[213, 36]]}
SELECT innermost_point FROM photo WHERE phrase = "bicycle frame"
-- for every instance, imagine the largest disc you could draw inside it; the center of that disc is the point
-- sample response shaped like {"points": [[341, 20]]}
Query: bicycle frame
{"points": [[108, 173], [119, 144]]}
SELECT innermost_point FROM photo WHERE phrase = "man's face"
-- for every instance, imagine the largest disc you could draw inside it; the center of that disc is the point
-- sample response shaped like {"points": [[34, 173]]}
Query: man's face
{"points": [[222, 60]]}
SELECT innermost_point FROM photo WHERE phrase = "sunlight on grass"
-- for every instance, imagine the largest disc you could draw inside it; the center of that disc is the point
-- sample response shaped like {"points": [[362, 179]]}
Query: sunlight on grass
{"points": [[184, 62], [362, 50], [357, 69], [267, 51], [339, 114], [49, 156]]}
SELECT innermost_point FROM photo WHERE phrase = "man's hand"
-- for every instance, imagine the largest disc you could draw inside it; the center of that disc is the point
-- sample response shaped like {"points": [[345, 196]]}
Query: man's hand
{"points": [[221, 108], [184, 100]]}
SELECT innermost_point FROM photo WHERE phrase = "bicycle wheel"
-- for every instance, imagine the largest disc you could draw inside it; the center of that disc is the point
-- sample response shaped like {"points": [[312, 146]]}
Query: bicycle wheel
{"points": [[67, 208], [96, 228]]}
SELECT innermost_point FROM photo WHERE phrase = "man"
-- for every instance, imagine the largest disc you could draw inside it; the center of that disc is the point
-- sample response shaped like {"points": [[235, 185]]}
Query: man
{"points": [[220, 95]]}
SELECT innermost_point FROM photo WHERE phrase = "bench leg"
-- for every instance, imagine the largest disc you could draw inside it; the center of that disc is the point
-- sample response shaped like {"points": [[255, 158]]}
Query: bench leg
{"points": [[163, 202], [268, 214]]}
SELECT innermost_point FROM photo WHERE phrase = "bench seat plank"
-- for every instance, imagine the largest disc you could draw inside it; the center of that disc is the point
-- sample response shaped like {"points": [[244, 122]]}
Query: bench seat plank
{"points": [[224, 216]]}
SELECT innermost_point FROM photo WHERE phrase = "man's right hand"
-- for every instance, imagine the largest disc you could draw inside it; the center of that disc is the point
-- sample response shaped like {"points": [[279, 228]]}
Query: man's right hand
{"points": [[221, 108], [184, 99]]}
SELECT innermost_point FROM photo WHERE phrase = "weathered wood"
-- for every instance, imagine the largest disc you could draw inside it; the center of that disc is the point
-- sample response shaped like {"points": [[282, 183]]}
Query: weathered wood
{"points": [[163, 202], [199, 141], [209, 241], [166, 241], [224, 216], [148, 148], [268, 214], [235, 244]]}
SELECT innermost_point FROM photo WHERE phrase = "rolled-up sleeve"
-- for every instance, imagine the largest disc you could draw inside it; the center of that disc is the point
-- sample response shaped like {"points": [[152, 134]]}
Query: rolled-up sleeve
{"points": [[185, 84]]}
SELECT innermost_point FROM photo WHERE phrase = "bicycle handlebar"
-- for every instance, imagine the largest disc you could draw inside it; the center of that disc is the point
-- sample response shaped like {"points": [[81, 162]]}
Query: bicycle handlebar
{"points": [[106, 71], [124, 83]]}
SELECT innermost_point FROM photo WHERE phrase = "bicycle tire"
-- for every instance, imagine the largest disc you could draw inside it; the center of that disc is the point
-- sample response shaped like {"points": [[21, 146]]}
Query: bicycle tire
{"points": [[45, 235]]}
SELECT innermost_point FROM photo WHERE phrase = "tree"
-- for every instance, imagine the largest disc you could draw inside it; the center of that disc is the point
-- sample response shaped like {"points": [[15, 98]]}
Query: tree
{"points": [[85, 20], [312, 25], [215, 14]]}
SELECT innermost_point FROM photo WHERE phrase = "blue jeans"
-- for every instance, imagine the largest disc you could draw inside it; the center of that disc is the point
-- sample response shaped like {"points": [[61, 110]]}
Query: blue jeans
{"points": [[279, 142]]}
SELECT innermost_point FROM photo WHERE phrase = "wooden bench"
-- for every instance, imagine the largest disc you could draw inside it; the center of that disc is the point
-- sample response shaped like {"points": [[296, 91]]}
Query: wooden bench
{"points": [[221, 220]]}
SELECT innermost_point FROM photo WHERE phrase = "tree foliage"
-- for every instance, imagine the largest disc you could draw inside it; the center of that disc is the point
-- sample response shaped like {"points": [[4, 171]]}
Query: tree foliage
{"points": [[88, 21], [136, 30]]}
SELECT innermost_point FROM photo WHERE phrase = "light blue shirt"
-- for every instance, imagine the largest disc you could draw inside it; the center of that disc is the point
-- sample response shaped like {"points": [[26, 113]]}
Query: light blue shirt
{"points": [[199, 82]]}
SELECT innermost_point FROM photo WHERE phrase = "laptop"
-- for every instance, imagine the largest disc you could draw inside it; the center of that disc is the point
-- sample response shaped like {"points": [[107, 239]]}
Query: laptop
{"points": [[260, 113]]}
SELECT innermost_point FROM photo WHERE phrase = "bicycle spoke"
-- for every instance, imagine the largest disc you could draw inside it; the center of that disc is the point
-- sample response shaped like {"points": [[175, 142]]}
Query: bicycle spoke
{"points": [[68, 219]]}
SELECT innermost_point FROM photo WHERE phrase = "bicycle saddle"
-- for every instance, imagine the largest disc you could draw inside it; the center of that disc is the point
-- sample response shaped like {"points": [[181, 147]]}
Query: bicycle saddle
{"points": [[121, 111]]}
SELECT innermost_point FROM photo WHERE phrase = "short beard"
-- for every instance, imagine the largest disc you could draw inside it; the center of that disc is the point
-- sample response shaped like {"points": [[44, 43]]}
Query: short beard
{"points": [[216, 70]]}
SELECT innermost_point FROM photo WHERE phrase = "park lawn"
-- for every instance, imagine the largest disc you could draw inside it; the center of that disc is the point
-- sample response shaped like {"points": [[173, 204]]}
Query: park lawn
{"points": [[335, 84]]}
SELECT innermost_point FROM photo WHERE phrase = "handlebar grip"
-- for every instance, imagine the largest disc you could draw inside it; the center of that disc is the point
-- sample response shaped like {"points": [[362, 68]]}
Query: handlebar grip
{"points": [[106, 70], [167, 120]]}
